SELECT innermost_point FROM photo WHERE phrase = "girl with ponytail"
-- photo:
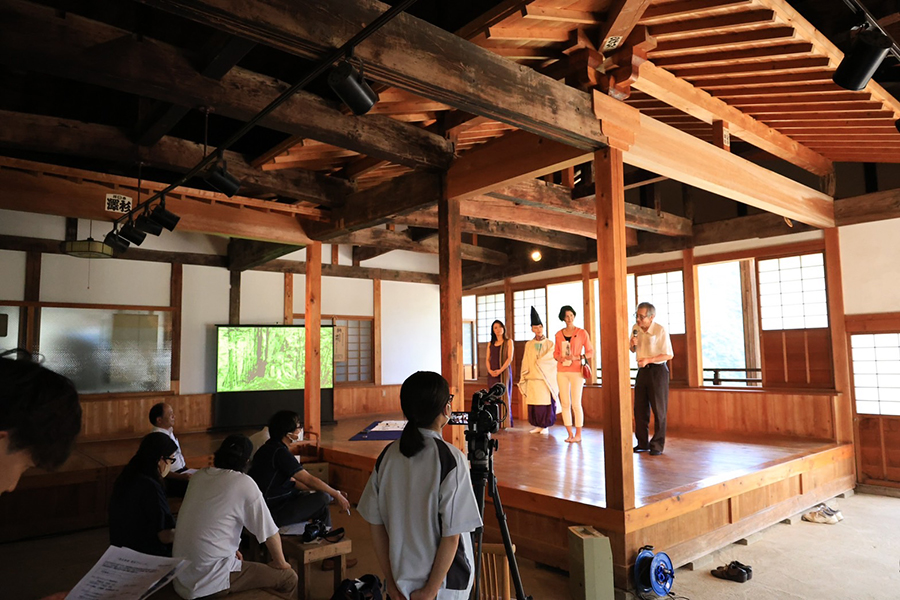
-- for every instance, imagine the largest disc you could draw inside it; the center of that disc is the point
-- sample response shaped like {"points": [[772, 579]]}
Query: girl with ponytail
{"points": [[419, 501]]}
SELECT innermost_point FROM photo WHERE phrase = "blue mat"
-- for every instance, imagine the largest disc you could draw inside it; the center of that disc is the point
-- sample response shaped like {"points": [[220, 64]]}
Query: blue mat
{"points": [[377, 436]]}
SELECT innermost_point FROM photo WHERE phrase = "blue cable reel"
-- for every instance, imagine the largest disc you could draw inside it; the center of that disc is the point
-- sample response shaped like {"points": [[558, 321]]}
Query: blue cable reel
{"points": [[653, 573]]}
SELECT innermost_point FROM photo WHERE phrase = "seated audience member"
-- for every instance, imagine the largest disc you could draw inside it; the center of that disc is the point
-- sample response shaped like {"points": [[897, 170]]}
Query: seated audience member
{"points": [[139, 516], [162, 417], [292, 493], [220, 502], [39, 418]]}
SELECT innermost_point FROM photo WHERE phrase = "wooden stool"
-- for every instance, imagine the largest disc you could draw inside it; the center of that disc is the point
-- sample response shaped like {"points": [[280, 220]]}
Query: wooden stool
{"points": [[301, 556]]}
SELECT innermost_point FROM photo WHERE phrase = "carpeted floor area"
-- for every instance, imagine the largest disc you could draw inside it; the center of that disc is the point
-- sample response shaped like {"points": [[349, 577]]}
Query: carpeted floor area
{"points": [[857, 559]]}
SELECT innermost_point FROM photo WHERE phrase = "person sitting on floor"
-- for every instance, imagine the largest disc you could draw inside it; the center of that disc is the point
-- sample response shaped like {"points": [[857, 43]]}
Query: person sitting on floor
{"points": [[162, 417], [139, 515], [219, 503]]}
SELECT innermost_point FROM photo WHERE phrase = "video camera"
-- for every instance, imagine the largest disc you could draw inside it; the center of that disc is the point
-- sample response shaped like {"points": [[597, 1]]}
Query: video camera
{"points": [[489, 410], [317, 529]]}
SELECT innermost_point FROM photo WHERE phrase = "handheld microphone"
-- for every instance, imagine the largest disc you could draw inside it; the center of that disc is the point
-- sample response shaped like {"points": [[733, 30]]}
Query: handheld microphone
{"points": [[634, 332]]}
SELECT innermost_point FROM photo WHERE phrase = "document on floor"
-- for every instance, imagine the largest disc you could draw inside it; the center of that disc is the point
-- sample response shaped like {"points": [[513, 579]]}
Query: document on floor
{"points": [[122, 573]]}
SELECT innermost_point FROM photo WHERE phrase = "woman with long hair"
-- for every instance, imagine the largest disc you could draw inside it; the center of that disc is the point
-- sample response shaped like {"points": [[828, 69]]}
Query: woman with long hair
{"points": [[572, 343], [419, 501], [139, 515], [499, 358]]}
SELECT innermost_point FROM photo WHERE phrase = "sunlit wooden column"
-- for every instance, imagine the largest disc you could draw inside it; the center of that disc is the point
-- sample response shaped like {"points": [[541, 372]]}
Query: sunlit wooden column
{"points": [[843, 417], [450, 263], [694, 351], [312, 319], [588, 310], [611, 272], [288, 298]]}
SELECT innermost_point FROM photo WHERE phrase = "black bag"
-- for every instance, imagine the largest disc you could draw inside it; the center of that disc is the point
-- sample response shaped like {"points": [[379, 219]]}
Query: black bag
{"points": [[367, 587]]}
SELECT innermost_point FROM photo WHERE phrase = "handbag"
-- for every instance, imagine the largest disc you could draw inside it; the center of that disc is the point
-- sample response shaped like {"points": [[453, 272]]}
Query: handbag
{"points": [[586, 370]]}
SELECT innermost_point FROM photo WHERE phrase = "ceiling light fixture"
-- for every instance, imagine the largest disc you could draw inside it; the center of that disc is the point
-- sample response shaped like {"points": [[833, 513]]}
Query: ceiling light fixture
{"points": [[536, 256], [870, 45], [351, 87]]}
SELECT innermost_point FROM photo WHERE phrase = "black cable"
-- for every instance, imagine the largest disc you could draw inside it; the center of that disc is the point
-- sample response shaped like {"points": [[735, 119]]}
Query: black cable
{"points": [[870, 21], [320, 68]]}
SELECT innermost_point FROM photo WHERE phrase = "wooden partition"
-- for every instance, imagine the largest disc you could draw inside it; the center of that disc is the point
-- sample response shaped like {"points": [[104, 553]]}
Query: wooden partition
{"points": [[352, 400], [114, 416], [797, 358], [878, 450]]}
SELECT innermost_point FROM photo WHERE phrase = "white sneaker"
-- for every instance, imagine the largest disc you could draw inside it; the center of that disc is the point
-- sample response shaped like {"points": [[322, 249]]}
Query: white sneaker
{"points": [[831, 511], [536, 430], [544, 431], [819, 516]]}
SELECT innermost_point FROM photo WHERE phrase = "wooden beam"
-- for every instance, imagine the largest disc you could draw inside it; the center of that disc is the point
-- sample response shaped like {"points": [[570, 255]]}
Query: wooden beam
{"points": [[234, 298], [655, 146], [621, 18], [589, 306], [401, 240], [244, 255], [39, 40], [289, 299], [616, 389], [450, 260], [352, 272], [312, 321], [86, 200], [877, 206], [75, 138], [413, 55], [680, 94], [376, 331], [694, 351]]}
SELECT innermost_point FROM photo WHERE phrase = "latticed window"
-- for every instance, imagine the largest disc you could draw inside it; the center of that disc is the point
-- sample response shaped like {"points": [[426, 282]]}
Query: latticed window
{"points": [[357, 368], [665, 291], [522, 302], [792, 292], [876, 373], [488, 309]]}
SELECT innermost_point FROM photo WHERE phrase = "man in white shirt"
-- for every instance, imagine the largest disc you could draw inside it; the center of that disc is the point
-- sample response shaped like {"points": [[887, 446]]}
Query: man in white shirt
{"points": [[651, 343], [162, 417], [220, 502]]}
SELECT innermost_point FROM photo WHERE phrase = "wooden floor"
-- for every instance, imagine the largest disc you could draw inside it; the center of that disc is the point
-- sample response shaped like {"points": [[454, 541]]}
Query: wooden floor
{"points": [[548, 466]]}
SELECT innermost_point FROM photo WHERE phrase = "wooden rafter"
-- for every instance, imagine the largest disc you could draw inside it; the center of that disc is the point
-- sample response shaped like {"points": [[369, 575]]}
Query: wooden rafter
{"points": [[383, 239]]}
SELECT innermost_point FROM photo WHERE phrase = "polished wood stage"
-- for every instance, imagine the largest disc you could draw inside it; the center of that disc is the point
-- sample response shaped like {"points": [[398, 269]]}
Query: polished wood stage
{"points": [[706, 491]]}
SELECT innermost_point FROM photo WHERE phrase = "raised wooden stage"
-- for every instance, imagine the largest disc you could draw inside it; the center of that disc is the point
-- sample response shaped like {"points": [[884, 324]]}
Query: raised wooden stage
{"points": [[702, 494]]}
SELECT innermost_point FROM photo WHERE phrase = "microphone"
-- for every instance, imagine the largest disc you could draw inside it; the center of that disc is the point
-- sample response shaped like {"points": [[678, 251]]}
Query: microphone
{"points": [[634, 332]]}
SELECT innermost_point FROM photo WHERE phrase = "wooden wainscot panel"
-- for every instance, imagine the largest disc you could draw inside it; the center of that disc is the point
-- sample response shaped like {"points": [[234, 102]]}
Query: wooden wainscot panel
{"points": [[891, 432], [679, 363], [797, 358], [352, 400], [120, 416], [870, 447]]}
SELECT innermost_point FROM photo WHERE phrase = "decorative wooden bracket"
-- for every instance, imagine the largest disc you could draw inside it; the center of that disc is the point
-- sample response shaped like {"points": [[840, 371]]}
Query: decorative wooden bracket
{"points": [[626, 63]]}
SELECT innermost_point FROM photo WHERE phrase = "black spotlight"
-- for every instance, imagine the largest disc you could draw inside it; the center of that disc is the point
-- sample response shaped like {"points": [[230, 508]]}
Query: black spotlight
{"points": [[114, 241], [132, 233], [163, 217], [350, 87], [146, 224], [219, 177], [860, 63]]}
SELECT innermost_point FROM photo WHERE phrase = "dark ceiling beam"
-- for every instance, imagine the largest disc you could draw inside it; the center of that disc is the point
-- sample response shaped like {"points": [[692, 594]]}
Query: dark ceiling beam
{"points": [[226, 55], [35, 38], [510, 231], [245, 255], [53, 135], [385, 240]]}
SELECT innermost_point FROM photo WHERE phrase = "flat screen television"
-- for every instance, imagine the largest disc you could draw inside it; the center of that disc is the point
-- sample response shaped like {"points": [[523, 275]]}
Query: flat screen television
{"points": [[260, 369]]}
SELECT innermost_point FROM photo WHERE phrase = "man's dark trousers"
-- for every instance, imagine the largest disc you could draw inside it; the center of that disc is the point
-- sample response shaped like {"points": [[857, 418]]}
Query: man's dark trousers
{"points": [[651, 392]]}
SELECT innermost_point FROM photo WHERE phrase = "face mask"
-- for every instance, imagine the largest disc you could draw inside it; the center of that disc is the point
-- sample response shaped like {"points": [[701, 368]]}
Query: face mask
{"points": [[166, 469]]}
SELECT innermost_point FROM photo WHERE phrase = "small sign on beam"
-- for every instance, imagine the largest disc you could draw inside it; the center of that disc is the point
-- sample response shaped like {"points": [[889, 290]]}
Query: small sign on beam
{"points": [[118, 203]]}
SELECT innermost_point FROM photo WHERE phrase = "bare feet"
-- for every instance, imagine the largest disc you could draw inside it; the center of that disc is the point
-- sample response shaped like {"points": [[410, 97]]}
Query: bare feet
{"points": [[576, 439], [570, 439]]}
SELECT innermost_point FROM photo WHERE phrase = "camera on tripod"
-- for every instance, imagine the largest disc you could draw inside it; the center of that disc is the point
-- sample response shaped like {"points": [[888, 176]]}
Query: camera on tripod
{"points": [[489, 410]]}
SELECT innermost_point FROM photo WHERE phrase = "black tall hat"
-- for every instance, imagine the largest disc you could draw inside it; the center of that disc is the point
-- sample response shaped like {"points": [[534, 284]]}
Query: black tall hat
{"points": [[535, 318]]}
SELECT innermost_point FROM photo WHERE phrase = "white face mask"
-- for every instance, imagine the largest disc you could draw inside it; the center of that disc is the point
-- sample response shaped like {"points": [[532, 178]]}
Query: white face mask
{"points": [[166, 469]]}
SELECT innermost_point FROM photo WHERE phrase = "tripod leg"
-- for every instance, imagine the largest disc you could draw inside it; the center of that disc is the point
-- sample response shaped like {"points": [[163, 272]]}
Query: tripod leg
{"points": [[507, 542], [479, 481]]}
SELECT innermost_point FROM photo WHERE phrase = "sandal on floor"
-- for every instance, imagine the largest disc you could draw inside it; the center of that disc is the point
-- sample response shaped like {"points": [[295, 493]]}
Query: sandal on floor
{"points": [[730, 573], [746, 568]]}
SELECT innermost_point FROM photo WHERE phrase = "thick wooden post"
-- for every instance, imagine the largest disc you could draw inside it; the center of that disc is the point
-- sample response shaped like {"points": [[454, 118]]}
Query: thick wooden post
{"points": [[288, 298], [450, 261], [843, 409], [376, 331], [176, 281], [611, 271], [590, 321], [312, 319], [234, 298], [30, 319], [510, 320], [694, 352]]}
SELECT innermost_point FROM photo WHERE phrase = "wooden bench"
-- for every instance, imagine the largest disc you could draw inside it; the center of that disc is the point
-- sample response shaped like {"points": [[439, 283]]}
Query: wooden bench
{"points": [[301, 556]]}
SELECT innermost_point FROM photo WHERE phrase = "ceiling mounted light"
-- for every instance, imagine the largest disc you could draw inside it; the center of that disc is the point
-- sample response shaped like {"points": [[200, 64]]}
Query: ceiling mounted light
{"points": [[351, 88], [116, 242], [163, 217], [89, 248], [536, 256], [132, 233], [146, 224], [865, 56], [219, 177]]}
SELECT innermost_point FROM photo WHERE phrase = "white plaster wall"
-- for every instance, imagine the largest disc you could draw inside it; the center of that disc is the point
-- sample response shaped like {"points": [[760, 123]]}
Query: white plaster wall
{"points": [[13, 222], [204, 305], [404, 261], [469, 308], [410, 330], [343, 296], [262, 298], [104, 281], [12, 275], [869, 267]]}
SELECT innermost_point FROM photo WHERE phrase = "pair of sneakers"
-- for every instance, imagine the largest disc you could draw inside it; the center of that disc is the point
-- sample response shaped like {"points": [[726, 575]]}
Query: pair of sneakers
{"points": [[734, 571], [823, 514]]}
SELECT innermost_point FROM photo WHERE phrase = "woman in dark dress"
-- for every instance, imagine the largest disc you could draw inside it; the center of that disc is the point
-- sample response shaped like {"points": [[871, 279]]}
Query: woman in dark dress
{"points": [[139, 515], [499, 360]]}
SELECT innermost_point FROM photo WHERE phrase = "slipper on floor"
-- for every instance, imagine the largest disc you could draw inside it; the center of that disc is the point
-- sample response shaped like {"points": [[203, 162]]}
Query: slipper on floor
{"points": [[731, 573]]}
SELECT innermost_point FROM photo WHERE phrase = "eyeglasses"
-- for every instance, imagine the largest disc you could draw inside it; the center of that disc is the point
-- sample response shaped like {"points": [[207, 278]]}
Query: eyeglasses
{"points": [[169, 459], [641, 317]]}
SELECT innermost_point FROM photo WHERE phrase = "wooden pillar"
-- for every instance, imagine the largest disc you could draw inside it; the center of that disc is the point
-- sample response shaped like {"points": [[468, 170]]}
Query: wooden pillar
{"points": [[30, 316], [510, 321], [234, 299], [611, 271], [450, 261], [843, 424], [721, 137], [376, 331], [588, 304], [288, 298], [176, 287], [335, 254], [312, 319], [694, 350]]}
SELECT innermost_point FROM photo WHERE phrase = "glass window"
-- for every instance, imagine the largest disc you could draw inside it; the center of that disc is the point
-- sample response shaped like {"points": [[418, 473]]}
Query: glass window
{"points": [[358, 364], [722, 324], [109, 350], [665, 291], [489, 309], [876, 373], [522, 302], [792, 292], [562, 294], [9, 327]]}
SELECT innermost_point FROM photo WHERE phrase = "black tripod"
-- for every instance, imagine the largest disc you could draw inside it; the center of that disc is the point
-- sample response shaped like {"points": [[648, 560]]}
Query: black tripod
{"points": [[481, 458]]}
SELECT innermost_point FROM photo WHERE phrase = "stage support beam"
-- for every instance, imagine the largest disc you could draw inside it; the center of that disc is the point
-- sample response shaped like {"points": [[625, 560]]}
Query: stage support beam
{"points": [[312, 320], [843, 411], [450, 266], [611, 272], [692, 320]]}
